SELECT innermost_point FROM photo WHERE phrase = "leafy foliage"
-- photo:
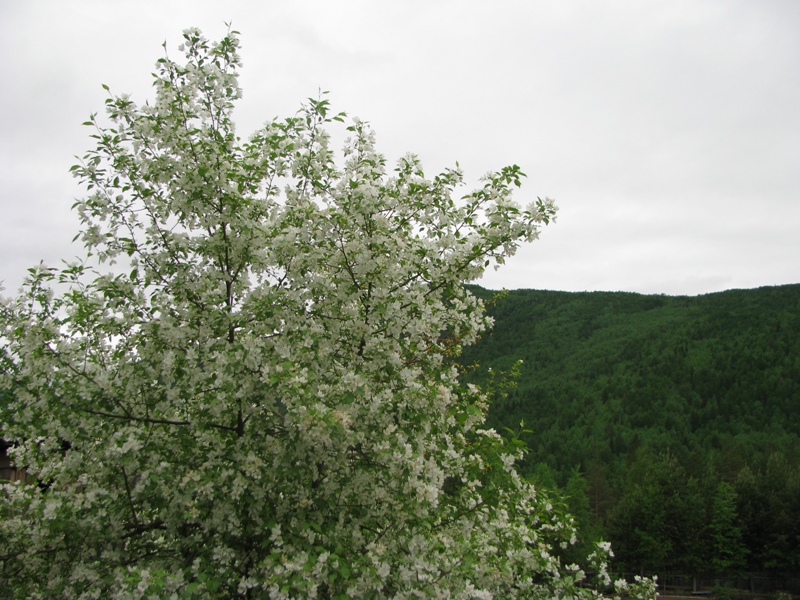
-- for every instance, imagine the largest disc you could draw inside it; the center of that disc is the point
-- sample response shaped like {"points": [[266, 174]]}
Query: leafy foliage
{"points": [[675, 409], [247, 389]]}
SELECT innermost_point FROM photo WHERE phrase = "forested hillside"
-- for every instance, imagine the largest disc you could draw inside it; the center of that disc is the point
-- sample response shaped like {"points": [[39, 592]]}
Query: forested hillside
{"points": [[669, 423]]}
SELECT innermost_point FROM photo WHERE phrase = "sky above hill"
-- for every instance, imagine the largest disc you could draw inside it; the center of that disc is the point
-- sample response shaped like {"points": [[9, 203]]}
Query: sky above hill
{"points": [[667, 131]]}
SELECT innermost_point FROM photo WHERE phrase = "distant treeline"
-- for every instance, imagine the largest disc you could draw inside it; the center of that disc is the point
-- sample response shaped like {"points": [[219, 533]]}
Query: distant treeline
{"points": [[667, 425]]}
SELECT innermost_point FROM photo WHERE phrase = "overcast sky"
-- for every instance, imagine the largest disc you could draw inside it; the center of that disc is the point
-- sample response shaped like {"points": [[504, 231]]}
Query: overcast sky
{"points": [[667, 131]]}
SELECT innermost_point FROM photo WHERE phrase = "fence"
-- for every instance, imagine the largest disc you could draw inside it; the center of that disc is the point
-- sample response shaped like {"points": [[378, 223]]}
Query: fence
{"points": [[753, 585]]}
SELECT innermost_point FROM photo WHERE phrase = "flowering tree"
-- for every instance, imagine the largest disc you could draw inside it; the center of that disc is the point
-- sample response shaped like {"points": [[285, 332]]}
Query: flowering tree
{"points": [[247, 388]]}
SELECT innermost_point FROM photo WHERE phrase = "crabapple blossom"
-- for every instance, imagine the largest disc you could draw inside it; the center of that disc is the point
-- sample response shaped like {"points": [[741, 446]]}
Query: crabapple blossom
{"points": [[247, 387]]}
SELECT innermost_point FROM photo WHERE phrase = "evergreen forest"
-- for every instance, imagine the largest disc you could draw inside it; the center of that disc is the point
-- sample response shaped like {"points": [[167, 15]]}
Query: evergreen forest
{"points": [[665, 425]]}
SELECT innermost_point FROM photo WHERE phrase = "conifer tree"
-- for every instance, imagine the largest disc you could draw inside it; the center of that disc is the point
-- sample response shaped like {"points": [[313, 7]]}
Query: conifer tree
{"points": [[728, 553]]}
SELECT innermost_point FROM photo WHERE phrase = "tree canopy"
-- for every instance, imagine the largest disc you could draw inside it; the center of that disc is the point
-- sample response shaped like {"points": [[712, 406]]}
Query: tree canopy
{"points": [[680, 412], [247, 387]]}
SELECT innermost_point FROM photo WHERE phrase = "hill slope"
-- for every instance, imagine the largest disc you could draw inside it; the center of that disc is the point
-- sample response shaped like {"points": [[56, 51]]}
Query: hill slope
{"points": [[614, 384]]}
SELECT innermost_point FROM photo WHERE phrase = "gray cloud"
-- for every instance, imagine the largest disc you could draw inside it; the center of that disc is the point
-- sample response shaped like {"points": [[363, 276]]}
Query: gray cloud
{"points": [[668, 132]]}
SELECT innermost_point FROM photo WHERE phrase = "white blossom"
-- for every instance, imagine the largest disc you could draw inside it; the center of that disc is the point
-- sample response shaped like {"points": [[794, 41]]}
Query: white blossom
{"points": [[247, 388]]}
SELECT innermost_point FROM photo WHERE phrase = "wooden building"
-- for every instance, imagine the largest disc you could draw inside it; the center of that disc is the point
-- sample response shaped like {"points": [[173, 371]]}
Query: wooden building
{"points": [[8, 471]]}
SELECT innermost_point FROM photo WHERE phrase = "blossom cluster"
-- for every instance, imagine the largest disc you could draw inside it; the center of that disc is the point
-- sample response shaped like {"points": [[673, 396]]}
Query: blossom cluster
{"points": [[247, 388]]}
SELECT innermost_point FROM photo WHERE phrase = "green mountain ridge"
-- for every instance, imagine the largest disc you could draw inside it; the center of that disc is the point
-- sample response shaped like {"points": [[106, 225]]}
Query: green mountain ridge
{"points": [[616, 385]]}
